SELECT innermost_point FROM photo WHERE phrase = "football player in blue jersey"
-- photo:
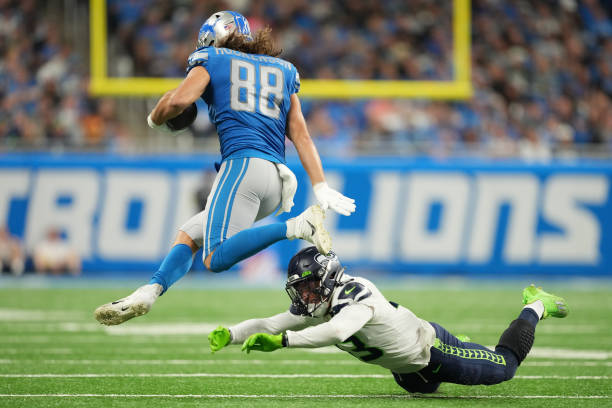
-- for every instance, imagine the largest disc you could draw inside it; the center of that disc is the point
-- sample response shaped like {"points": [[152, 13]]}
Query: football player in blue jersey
{"points": [[329, 307], [252, 100]]}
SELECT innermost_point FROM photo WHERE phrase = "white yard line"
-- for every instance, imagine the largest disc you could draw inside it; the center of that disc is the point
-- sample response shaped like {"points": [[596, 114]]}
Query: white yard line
{"points": [[499, 327], [191, 375], [184, 362], [293, 396], [161, 329], [569, 354], [317, 375], [26, 315], [566, 364], [267, 362], [121, 349], [124, 346], [93, 339], [51, 350], [64, 320]]}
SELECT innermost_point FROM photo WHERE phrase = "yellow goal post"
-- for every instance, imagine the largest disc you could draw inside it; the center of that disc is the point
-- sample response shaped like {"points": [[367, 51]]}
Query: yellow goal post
{"points": [[459, 87]]}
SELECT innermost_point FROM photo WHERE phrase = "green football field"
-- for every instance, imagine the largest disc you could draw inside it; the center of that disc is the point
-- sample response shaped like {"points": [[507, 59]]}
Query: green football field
{"points": [[54, 354]]}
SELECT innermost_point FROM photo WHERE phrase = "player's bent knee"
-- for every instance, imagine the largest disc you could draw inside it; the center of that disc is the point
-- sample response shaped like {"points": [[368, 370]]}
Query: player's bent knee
{"points": [[509, 373], [213, 264], [414, 383], [425, 388], [206, 259], [497, 376], [216, 269]]}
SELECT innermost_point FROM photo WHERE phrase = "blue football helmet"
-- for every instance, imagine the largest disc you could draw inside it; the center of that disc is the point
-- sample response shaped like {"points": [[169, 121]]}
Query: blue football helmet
{"points": [[220, 25]]}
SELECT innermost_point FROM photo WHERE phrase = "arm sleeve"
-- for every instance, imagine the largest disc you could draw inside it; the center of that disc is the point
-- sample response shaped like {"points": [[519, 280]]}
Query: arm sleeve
{"points": [[338, 329], [271, 325]]}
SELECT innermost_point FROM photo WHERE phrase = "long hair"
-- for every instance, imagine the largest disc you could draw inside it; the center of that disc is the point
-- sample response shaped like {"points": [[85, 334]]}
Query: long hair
{"points": [[262, 43]]}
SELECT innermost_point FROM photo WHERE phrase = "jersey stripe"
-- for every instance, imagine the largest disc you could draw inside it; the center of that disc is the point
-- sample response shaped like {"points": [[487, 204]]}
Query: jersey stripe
{"points": [[226, 170], [218, 217], [230, 203]]}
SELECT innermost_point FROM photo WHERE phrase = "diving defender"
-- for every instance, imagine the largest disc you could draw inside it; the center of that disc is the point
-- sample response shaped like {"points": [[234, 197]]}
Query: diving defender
{"points": [[329, 307], [252, 100]]}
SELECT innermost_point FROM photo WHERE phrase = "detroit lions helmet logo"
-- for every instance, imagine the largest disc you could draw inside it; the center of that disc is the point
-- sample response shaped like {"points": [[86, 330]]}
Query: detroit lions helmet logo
{"points": [[220, 25]]}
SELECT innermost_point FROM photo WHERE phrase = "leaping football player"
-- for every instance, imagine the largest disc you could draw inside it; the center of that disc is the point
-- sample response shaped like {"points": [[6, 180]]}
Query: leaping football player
{"points": [[329, 307], [252, 100]]}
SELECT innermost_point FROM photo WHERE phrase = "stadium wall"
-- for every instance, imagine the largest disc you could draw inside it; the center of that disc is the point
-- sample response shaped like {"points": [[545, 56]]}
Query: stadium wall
{"points": [[413, 215]]}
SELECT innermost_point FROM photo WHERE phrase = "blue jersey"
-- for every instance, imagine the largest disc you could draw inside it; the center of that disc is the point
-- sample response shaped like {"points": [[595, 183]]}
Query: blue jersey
{"points": [[248, 100]]}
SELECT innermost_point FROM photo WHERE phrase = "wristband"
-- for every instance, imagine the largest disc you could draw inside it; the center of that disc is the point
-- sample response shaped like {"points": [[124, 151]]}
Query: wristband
{"points": [[284, 340], [152, 124]]}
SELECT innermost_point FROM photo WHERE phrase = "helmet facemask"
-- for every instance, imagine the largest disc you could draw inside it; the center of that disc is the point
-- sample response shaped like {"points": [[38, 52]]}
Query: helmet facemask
{"points": [[308, 296], [312, 278]]}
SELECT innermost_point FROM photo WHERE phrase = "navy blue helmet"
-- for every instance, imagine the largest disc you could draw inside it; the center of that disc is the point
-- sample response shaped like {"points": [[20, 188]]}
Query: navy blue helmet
{"points": [[311, 280]]}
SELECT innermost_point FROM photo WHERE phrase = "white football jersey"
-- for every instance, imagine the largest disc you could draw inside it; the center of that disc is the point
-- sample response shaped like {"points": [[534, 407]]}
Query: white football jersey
{"points": [[392, 337]]}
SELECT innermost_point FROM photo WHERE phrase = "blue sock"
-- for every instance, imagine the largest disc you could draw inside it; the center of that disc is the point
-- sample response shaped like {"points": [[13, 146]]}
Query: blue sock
{"points": [[246, 243], [530, 315], [175, 265]]}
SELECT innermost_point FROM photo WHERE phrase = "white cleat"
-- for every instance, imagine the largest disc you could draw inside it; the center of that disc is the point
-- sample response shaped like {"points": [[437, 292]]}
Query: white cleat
{"points": [[309, 226], [136, 304]]}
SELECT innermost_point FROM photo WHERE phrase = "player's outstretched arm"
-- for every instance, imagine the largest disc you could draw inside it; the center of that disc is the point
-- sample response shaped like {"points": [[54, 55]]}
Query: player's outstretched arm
{"points": [[338, 329], [343, 325], [221, 336], [173, 102], [309, 156]]}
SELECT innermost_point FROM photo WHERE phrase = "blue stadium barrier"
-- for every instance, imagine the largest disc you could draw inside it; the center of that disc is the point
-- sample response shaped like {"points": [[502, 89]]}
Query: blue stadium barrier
{"points": [[413, 215]]}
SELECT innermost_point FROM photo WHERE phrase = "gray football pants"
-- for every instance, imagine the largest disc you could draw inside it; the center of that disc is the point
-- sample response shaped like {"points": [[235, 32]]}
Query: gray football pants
{"points": [[245, 190]]}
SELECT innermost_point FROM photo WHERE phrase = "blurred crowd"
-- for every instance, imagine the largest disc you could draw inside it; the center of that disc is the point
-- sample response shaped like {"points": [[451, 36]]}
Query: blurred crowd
{"points": [[44, 102], [541, 69], [51, 255]]}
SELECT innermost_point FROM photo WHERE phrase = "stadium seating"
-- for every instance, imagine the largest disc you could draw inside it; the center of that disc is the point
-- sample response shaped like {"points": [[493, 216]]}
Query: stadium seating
{"points": [[541, 73]]}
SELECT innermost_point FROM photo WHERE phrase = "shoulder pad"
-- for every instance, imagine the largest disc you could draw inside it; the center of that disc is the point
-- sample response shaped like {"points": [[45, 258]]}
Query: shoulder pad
{"points": [[199, 56], [354, 290], [348, 294]]}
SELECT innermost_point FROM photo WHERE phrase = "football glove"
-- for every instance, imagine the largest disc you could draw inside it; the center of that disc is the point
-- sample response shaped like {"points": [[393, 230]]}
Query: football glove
{"points": [[288, 190], [219, 338], [263, 342], [330, 198]]}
